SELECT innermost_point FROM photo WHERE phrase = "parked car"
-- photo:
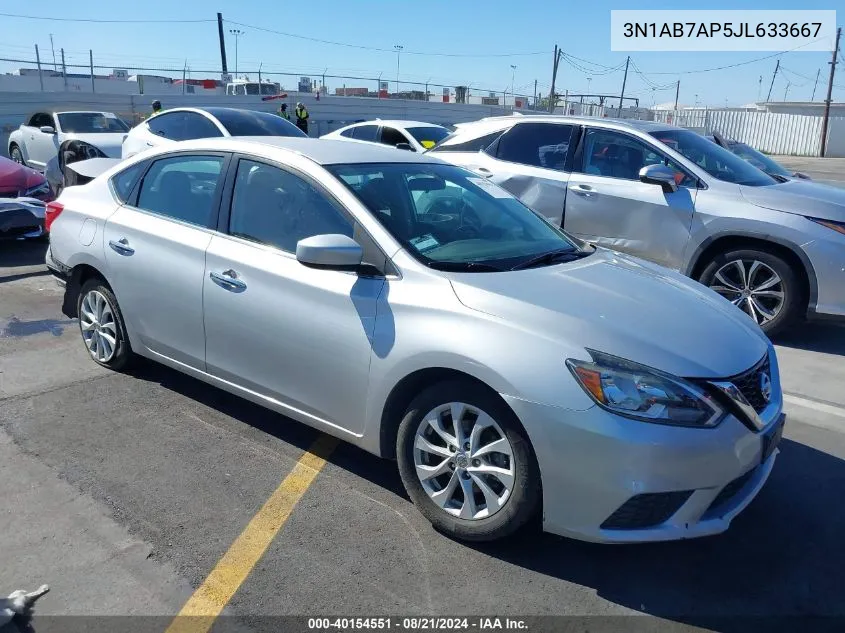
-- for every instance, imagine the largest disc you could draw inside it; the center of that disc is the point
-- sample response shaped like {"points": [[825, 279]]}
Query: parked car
{"points": [[97, 134], [671, 196], [758, 159], [181, 124], [420, 312], [23, 195], [410, 135]]}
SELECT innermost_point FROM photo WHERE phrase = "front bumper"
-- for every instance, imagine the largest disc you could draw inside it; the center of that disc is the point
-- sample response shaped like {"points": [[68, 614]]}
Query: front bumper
{"points": [[602, 474], [827, 257], [21, 218]]}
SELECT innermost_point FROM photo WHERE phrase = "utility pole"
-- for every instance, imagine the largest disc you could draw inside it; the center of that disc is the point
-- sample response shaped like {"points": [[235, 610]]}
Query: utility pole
{"points": [[815, 85], [552, 97], [677, 92], [53, 48], [398, 48], [64, 69], [759, 87], [513, 74], [624, 81], [40, 73], [771, 85], [829, 91], [786, 92], [225, 70], [535, 94], [91, 62], [237, 33]]}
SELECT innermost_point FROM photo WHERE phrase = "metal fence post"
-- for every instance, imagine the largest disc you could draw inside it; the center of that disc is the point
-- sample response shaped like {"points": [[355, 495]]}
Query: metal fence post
{"points": [[64, 69], [91, 63], [38, 61]]}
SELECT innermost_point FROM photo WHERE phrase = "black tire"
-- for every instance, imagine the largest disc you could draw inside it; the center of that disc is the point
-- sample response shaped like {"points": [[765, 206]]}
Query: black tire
{"points": [[794, 290], [524, 502], [16, 155], [123, 356]]}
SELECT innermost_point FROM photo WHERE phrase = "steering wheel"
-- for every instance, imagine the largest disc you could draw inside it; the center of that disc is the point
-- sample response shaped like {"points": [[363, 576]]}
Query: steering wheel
{"points": [[469, 224]]}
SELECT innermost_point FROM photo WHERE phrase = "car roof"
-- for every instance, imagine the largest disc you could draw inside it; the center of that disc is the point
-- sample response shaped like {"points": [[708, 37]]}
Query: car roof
{"points": [[81, 112], [504, 121], [320, 150], [396, 123]]}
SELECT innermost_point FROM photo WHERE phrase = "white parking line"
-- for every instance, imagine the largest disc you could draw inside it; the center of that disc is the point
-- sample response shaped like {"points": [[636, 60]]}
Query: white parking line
{"points": [[820, 407]]}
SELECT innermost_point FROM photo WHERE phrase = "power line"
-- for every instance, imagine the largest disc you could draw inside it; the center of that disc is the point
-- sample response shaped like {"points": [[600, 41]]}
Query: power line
{"points": [[379, 49], [91, 20]]}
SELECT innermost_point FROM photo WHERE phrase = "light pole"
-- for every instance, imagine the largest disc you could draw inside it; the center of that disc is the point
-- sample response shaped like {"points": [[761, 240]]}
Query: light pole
{"points": [[237, 33], [398, 48], [513, 72], [589, 81]]}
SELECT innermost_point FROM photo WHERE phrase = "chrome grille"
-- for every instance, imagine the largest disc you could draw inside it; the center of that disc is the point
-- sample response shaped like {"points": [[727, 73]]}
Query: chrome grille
{"points": [[749, 384]]}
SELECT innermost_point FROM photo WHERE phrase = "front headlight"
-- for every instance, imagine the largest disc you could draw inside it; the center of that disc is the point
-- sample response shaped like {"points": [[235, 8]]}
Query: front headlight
{"points": [[642, 393], [44, 187]]}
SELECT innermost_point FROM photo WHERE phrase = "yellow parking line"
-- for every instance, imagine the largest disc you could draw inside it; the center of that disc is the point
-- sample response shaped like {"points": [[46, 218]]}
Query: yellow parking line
{"points": [[202, 608]]}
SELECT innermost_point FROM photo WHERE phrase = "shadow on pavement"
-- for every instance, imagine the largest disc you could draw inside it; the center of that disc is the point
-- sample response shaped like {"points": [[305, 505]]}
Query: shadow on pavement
{"points": [[16, 254], [828, 338]]}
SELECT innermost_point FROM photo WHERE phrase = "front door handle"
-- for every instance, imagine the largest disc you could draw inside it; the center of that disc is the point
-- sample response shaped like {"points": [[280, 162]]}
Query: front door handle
{"points": [[582, 190], [228, 279], [121, 246], [484, 172]]}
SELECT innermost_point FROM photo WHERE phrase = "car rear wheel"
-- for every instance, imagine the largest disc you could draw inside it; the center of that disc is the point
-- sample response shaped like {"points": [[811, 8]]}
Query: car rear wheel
{"points": [[16, 155], [759, 282], [467, 464], [101, 325]]}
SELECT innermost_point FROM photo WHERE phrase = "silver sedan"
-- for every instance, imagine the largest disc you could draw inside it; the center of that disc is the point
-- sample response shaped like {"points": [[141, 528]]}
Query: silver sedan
{"points": [[424, 314]]}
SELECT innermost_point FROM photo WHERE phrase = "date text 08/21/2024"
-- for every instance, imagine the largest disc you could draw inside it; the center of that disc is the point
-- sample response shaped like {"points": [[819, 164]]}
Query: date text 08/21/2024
{"points": [[416, 624], [723, 29]]}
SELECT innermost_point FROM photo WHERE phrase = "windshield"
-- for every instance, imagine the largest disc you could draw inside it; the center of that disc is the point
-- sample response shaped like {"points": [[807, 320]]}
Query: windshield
{"points": [[250, 123], [91, 123], [758, 159], [715, 160], [451, 219], [428, 136]]}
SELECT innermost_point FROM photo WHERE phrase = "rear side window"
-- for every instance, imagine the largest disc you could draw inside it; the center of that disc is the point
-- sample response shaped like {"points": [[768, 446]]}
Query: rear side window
{"points": [[124, 182], [252, 123], [350, 133], [182, 188], [198, 126], [366, 133], [543, 145], [169, 125], [392, 136], [476, 144]]}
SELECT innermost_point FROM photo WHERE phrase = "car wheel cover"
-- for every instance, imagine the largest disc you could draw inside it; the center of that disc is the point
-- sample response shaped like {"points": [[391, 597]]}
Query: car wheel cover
{"points": [[464, 461], [98, 325], [752, 286], [17, 156]]}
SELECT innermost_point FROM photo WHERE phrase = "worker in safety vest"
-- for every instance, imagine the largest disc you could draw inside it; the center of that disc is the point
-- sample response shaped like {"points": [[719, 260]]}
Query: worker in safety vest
{"points": [[156, 108], [301, 117], [283, 111]]}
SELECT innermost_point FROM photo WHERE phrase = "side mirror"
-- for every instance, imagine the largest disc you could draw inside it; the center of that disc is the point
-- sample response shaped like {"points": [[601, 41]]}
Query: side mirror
{"points": [[659, 175], [406, 146], [329, 252], [798, 174], [47, 129]]}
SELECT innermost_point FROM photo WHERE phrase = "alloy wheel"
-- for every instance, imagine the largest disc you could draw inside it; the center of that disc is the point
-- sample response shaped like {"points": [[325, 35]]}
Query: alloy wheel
{"points": [[753, 286], [464, 461], [17, 156], [99, 330]]}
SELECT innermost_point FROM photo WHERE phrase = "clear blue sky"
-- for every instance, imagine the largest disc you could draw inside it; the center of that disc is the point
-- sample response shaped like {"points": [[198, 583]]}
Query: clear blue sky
{"points": [[456, 27]]}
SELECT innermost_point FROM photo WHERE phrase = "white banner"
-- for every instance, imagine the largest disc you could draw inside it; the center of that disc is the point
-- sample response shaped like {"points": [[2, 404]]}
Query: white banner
{"points": [[722, 30]]}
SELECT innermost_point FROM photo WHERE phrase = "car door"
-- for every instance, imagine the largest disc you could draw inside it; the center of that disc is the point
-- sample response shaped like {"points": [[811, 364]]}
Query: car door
{"points": [[155, 249], [296, 335], [530, 161], [607, 204], [41, 146]]}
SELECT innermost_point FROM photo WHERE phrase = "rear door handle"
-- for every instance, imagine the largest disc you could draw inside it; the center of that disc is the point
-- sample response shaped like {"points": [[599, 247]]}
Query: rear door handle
{"points": [[228, 279], [150, 144], [583, 190], [121, 246]]}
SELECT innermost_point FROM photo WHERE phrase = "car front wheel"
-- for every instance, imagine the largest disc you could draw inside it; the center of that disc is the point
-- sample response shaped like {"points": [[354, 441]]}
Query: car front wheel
{"points": [[101, 325], [467, 464], [16, 155], [759, 282]]}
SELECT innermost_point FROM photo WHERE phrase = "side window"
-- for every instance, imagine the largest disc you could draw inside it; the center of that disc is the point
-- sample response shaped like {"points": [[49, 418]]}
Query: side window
{"points": [[169, 125], [124, 182], [616, 155], [475, 144], [392, 136], [274, 207], [198, 126], [182, 188], [543, 145], [366, 133], [350, 133], [41, 119]]}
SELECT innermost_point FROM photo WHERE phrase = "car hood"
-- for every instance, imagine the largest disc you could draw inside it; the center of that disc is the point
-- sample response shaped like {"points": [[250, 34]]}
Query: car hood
{"points": [[626, 307], [801, 198], [16, 177], [110, 144]]}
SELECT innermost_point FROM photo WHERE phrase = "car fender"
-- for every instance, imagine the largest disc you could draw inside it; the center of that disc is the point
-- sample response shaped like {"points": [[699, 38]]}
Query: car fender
{"points": [[16, 138]]}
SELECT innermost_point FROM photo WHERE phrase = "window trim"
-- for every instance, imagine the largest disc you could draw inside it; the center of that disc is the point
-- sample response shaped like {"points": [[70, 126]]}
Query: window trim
{"points": [[225, 210], [569, 150], [473, 137], [578, 165], [132, 203]]}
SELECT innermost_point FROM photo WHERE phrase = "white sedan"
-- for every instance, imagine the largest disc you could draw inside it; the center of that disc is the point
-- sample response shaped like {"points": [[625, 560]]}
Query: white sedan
{"points": [[410, 135], [182, 124], [36, 142]]}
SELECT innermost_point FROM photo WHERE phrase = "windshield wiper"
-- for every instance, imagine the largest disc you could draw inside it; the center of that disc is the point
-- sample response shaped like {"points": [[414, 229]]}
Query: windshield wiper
{"points": [[465, 267], [552, 257]]}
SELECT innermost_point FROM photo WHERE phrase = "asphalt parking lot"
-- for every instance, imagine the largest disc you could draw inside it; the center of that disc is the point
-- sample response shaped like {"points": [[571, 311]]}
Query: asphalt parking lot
{"points": [[123, 491]]}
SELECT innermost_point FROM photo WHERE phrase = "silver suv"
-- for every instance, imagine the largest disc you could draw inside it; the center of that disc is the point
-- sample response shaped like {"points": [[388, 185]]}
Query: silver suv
{"points": [[776, 249]]}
